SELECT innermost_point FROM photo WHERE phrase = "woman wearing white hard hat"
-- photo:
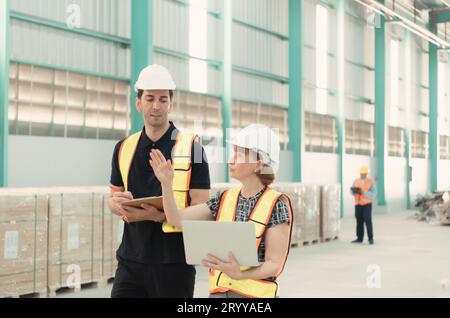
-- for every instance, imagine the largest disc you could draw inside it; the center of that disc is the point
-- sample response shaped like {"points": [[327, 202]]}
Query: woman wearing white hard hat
{"points": [[254, 162]]}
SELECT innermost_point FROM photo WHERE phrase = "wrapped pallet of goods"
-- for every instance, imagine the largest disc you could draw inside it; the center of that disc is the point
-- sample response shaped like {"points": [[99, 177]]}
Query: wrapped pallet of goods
{"points": [[293, 191], [23, 246], [112, 237], [74, 238], [309, 220], [330, 212]]}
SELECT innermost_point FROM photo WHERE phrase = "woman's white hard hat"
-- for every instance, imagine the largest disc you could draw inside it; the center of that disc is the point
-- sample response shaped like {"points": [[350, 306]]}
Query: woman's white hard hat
{"points": [[262, 140]]}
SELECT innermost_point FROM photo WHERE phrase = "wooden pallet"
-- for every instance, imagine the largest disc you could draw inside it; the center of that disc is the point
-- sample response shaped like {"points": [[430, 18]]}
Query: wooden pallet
{"points": [[53, 292], [311, 242], [39, 294], [329, 239]]}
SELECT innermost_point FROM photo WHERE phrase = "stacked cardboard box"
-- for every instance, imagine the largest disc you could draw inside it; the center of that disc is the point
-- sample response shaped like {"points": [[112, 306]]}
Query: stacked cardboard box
{"points": [[112, 237], [305, 200], [330, 216], [23, 243], [74, 237], [292, 190]]}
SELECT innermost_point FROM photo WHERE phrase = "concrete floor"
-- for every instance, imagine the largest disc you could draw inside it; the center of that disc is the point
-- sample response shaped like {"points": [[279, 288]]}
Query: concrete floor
{"points": [[413, 259]]}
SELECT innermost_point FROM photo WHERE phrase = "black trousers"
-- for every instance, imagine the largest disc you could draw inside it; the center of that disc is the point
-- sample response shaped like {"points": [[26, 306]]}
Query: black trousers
{"points": [[363, 214], [135, 280]]}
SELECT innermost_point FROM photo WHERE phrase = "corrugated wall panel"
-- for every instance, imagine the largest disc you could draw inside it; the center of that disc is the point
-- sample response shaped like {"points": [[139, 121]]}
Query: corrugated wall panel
{"points": [[171, 29], [253, 88], [260, 51], [179, 69], [171, 26], [269, 14], [50, 46], [106, 16]]}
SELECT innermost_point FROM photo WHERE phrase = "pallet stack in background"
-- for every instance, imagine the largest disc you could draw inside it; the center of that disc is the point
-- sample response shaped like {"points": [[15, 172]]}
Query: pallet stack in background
{"points": [[49, 236], [23, 248], [75, 237], [315, 208], [330, 212]]}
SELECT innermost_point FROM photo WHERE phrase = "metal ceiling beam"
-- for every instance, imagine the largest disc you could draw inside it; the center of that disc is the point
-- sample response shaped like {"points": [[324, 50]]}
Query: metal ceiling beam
{"points": [[440, 16]]}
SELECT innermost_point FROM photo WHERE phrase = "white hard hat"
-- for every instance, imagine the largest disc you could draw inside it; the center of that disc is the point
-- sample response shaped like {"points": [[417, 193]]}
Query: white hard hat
{"points": [[155, 77], [261, 139]]}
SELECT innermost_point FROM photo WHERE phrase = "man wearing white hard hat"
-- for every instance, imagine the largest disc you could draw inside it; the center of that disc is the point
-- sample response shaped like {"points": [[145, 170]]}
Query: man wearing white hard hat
{"points": [[364, 191], [254, 163], [151, 260]]}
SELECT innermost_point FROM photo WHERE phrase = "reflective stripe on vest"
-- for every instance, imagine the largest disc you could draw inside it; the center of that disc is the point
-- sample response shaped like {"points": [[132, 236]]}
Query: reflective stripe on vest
{"points": [[361, 199], [261, 288], [181, 159]]}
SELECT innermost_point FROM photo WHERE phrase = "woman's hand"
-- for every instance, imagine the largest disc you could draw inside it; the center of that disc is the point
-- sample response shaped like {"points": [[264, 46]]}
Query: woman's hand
{"points": [[161, 167], [231, 268]]}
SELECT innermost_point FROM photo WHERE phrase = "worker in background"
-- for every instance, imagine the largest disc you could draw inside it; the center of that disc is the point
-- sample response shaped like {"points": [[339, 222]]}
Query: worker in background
{"points": [[364, 191], [151, 259], [256, 153]]}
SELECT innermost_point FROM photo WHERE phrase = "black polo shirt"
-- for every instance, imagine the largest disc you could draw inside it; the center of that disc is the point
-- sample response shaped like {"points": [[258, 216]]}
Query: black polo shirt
{"points": [[145, 242]]}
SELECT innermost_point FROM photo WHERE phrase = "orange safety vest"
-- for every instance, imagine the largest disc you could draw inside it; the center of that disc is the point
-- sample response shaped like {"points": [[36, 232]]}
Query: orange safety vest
{"points": [[219, 282], [361, 199], [181, 160]]}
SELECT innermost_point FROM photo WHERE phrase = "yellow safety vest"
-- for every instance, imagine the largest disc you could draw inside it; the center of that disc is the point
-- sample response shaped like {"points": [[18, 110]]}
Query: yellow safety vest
{"points": [[219, 282], [181, 160]]}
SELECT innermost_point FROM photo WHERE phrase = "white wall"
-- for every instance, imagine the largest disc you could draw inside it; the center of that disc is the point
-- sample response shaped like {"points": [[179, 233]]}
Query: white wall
{"points": [[420, 183], [395, 183], [444, 175], [320, 168], [52, 161]]}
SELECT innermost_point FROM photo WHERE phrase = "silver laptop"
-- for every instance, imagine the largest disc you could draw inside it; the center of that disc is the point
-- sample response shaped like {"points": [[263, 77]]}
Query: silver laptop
{"points": [[219, 238]]}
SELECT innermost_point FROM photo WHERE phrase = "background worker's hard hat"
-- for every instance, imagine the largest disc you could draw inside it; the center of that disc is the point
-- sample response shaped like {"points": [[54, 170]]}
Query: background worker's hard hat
{"points": [[364, 170], [262, 140], [155, 77]]}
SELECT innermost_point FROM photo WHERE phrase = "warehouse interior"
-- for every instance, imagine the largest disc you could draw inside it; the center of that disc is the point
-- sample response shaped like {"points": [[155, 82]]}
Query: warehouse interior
{"points": [[344, 83]]}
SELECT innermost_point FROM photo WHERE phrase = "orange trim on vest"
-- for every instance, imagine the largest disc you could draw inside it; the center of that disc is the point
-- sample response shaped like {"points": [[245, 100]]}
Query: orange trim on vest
{"points": [[291, 218]]}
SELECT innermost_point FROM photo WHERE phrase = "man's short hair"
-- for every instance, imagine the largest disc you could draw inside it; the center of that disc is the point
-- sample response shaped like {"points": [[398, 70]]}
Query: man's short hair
{"points": [[141, 92]]}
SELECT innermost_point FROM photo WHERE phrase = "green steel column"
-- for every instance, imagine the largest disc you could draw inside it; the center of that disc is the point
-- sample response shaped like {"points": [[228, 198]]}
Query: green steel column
{"points": [[4, 83], [340, 60], [407, 106], [227, 69], [295, 118], [141, 50], [433, 113], [380, 76]]}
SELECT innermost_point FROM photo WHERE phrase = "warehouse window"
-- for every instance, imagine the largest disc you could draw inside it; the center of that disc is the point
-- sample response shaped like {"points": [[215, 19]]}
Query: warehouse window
{"points": [[359, 138], [396, 142], [445, 147], [198, 40], [320, 133], [50, 102], [419, 144], [321, 59], [198, 113], [246, 113]]}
